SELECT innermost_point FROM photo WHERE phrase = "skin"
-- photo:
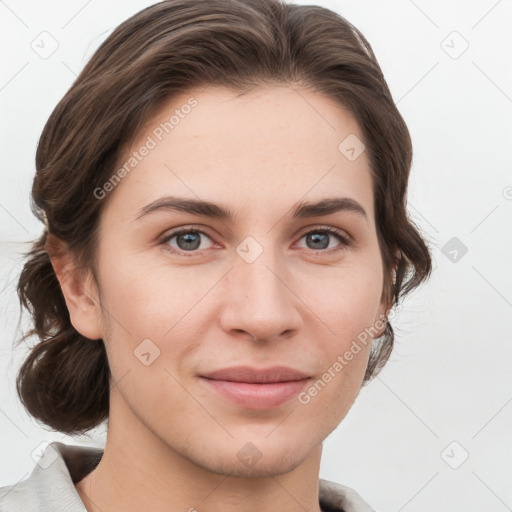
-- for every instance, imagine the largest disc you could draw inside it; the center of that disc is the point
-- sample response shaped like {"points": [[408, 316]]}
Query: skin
{"points": [[172, 443]]}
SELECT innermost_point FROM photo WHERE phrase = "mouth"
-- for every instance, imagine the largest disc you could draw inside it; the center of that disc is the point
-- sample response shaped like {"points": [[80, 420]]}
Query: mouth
{"points": [[256, 388]]}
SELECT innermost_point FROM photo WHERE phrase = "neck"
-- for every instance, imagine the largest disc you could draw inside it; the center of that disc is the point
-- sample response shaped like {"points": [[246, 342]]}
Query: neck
{"points": [[139, 471]]}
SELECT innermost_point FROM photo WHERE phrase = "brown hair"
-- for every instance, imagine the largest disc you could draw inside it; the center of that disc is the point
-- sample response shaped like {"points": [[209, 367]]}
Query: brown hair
{"points": [[163, 50]]}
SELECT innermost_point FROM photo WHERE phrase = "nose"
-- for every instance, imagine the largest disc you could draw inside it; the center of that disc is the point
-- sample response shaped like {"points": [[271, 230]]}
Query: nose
{"points": [[258, 300]]}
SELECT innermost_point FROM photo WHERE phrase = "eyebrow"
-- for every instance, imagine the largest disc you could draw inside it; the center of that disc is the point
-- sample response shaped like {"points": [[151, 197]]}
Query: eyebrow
{"points": [[207, 209]]}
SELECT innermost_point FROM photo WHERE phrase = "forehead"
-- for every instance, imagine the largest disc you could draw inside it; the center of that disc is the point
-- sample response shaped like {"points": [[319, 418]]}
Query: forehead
{"points": [[273, 145]]}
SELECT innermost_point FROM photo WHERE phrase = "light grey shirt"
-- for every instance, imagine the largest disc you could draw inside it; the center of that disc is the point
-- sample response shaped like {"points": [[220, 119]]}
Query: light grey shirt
{"points": [[51, 485]]}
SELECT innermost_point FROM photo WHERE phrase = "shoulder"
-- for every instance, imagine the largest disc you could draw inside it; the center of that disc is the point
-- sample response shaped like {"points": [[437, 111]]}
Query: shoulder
{"points": [[338, 497], [50, 485]]}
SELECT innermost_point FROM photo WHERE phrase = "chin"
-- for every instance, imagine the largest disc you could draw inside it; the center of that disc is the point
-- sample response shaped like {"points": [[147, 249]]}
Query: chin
{"points": [[273, 464], [251, 456]]}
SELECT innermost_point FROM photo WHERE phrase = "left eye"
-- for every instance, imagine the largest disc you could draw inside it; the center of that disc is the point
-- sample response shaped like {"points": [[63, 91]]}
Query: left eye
{"points": [[189, 240], [320, 238]]}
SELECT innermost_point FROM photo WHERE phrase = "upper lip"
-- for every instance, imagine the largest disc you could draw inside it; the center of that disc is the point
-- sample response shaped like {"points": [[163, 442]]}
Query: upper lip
{"points": [[250, 375]]}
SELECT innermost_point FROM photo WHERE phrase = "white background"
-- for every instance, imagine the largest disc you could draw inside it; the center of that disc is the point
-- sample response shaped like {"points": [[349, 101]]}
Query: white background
{"points": [[449, 376]]}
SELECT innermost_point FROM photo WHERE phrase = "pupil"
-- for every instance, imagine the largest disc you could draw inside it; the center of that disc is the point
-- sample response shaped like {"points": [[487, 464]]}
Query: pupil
{"points": [[189, 238], [315, 238]]}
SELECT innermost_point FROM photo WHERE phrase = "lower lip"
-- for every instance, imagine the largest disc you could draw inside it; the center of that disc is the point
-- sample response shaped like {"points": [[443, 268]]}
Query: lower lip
{"points": [[257, 396]]}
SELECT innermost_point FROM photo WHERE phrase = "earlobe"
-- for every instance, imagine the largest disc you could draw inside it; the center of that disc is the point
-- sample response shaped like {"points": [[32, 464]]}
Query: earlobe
{"points": [[384, 310], [381, 322], [79, 290]]}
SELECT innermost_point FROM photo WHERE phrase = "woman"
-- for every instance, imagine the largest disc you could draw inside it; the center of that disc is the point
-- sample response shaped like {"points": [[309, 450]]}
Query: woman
{"points": [[224, 192]]}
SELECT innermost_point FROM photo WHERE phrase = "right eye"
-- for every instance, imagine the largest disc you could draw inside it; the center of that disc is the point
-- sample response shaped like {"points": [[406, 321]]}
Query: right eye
{"points": [[188, 241]]}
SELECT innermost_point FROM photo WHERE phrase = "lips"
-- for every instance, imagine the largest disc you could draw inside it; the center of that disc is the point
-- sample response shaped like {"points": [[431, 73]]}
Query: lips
{"points": [[253, 375], [256, 388]]}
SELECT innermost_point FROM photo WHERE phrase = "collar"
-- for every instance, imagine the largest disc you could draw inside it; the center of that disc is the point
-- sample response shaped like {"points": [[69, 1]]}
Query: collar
{"points": [[50, 486]]}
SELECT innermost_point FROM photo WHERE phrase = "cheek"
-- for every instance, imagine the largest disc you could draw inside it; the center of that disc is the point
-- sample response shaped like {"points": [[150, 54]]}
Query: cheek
{"points": [[163, 302], [149, 312], [150, 299], [346, 299], [348, 305], [156, 316]]}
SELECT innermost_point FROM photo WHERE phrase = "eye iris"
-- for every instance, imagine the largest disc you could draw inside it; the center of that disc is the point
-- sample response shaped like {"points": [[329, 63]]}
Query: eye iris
{"points": [[315, 237], [189, 238]]}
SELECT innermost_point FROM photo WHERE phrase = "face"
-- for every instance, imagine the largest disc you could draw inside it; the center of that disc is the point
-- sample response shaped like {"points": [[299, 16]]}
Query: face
{"points": [[261, 287]]}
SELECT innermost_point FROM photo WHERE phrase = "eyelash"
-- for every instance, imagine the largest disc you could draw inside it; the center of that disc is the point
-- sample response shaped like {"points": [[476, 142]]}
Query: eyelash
{"points": [[344, 241]]}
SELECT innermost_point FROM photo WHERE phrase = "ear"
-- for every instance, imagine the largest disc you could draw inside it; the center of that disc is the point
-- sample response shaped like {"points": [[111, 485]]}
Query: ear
{"points": [[79, 289], [381, 320], [382, 315]]}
